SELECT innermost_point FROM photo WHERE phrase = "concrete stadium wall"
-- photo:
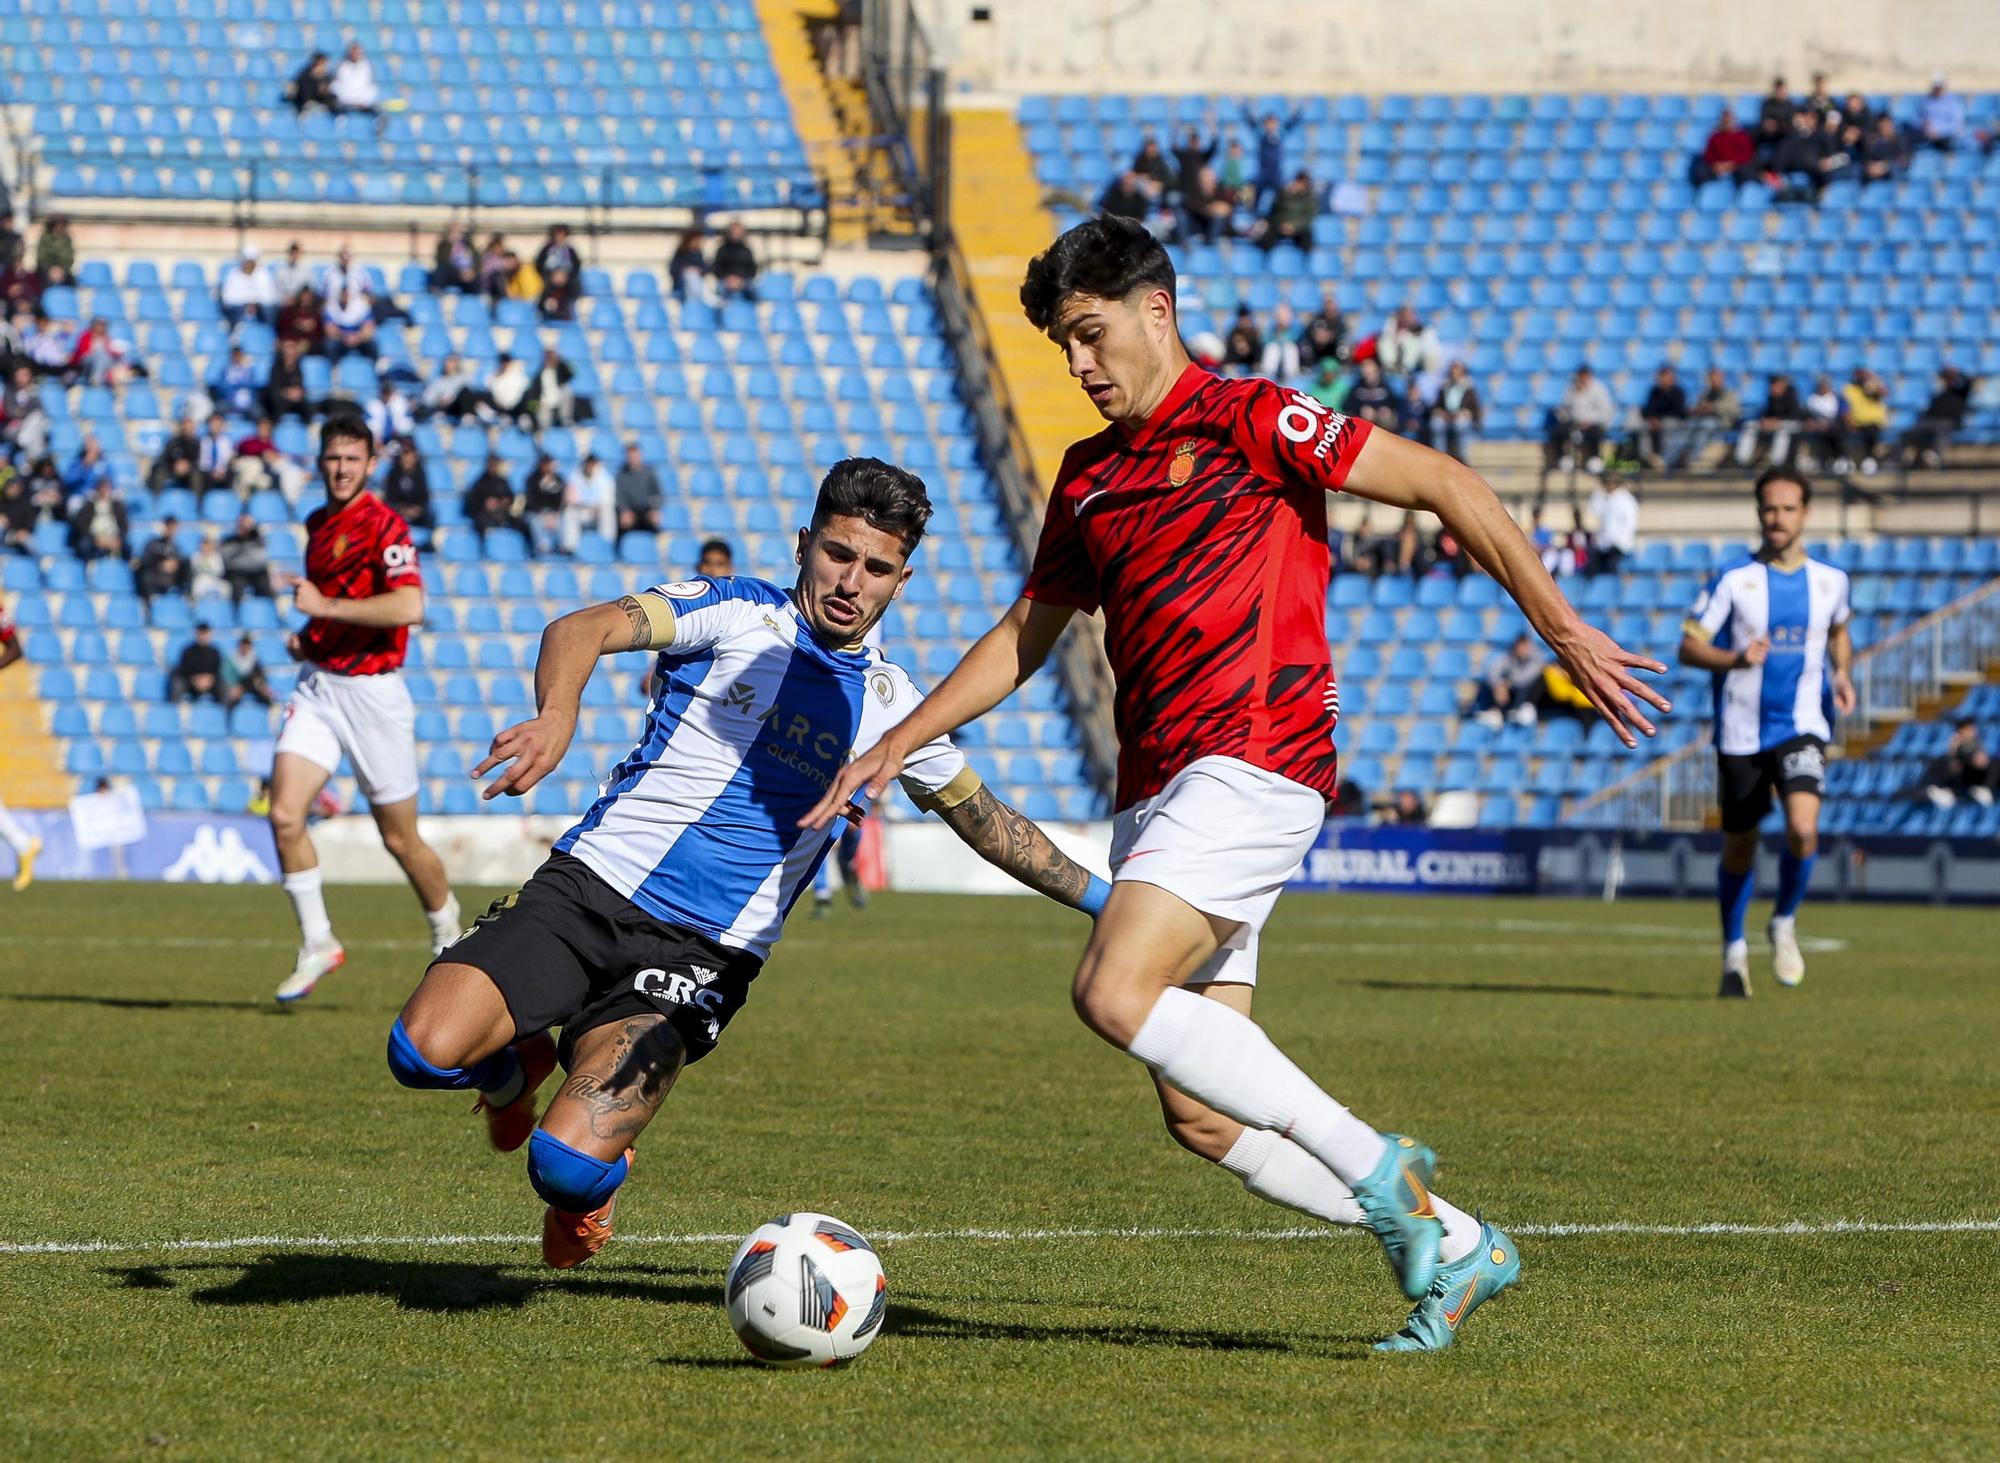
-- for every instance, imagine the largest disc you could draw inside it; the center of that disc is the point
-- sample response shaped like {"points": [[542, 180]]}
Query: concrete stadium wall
{"points": [[1231, 46]]}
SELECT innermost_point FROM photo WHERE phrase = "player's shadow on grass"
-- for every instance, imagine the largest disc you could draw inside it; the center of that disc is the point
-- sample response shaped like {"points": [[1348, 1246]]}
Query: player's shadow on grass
{"points": [[147, 1003], [449, 1286], [1524, 988]]}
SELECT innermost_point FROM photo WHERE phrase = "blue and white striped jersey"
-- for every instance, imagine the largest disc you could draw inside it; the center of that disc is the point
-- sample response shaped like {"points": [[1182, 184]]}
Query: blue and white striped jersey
{"points": [[1790, 695], [751, 719]]}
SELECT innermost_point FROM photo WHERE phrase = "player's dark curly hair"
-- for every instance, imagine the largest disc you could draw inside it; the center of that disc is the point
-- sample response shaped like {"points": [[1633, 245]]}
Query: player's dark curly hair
{"points": [[879, 493], [1106, 256], [347, 427], [1784, 475]]}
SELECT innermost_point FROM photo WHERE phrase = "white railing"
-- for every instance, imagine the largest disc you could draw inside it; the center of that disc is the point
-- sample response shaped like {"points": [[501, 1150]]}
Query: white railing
{"points": [[1947, 649]]}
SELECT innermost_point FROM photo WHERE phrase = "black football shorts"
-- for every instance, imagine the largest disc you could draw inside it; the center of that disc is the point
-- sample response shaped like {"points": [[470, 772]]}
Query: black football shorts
{"points": [[1747, 782]]}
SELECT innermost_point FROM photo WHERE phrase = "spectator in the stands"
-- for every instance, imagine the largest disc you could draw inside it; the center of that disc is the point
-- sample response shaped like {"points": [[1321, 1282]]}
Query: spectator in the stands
{"points": [[507, 386], [557, 252], [1771, 435], [1579, 421], [205, 564], [354, 88], [285, 391], [179, 462], [1943, 415], [161, 568], [1126, 197], [1866, 401], [48, 345], [312, 86], [454, 262], [715, 559], [239, 385], [558, 301], [1236, 177], [350, 326], [524, 281], [1802, 162], [1207, 210], [1774, 120], [1325, 335], [1407, 346], [98, 523], [1714, 415], [406, 486], [388, 415], [55, 252], [1847, 160], [1510, 684], [86, 470], [246, 560], [1823, 428], [1193, 153], [214, 453], [18, 514], [1614, 509], [455, 393], [261, 464], [248, 291], [1243, 347], [1372, 398], [1407, 810], [1941, 117], [1727, 154], [24, 420], [688, 264], [1279, 360], [735, 265], [637, 494], [1290, 220], [490, 504], [1330, 385], [243, 677], [101, 358], [197, 674], [1856, 112], [294, 274], [590, 501], [302, 321], [543, 498], [1886, 153], [551, 400], [1964, 769], [1153, 168], [1820, 100], [1457, 412], [1272, 130], [20, 286], [1663, 415], [342, 274]]}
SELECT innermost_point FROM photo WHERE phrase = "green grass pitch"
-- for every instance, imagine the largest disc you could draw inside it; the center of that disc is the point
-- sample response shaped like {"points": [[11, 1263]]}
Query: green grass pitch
{"points": [[916, 1070]]}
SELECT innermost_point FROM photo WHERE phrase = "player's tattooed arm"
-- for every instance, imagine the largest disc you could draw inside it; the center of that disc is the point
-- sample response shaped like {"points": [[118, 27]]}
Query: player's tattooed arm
{"points": [[1008, 841], [642, 627], [622, 1082]]}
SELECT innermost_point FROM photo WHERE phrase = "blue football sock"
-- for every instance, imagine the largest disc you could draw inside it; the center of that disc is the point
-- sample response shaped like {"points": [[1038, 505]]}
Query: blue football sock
{"points": [[1733, 892], [1794, 873]]}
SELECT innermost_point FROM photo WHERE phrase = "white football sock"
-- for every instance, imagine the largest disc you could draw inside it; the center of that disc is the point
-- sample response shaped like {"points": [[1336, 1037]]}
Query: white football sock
{"points": [[309, 904], [17, 837], [1735, 952], [444, 922], [1223, 1058], [1278, 1171]]}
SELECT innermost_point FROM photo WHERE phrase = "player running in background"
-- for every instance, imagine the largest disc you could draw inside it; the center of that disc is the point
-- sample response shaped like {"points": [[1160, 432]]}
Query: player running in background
{"points": [[27, 847], [642, 933], [1773, 628], [1197, 521], [361, 593]]}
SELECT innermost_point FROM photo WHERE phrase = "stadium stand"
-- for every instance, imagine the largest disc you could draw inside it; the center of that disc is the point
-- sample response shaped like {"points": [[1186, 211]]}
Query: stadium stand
{"points": [[662, 104], [1538, 233], [1885, 791]]}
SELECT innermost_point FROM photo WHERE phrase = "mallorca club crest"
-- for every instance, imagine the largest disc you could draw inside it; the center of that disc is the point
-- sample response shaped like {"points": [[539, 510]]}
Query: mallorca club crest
{"points": [[1182, 469], [340, 547]]}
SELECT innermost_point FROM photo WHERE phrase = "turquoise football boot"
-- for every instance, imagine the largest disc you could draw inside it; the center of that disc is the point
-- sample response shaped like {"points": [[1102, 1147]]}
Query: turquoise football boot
{"points": [[1396, 1200], [1460, 1288]]}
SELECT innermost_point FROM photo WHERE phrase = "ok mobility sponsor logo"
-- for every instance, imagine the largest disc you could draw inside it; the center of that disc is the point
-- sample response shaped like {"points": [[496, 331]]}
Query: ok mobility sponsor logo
{"points": [[1419, 869]]}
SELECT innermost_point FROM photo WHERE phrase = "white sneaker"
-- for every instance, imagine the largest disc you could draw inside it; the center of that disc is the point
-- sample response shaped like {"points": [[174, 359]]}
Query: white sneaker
{"points": [[1735, 973], [313, 963], [1787, 964], [445, 927]]}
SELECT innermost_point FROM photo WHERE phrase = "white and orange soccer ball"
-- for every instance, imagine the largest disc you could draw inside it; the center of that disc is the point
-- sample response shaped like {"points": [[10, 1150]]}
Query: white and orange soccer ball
{"points": [[806, 1290]]}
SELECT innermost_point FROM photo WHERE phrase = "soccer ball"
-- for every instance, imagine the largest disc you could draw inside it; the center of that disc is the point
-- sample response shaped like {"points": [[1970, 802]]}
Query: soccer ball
{"points": [[806, 1290]]}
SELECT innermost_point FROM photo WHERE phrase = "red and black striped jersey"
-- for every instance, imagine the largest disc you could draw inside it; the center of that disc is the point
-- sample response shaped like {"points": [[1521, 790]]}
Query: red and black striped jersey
{"points": [[357, 552], [1203, 536]]}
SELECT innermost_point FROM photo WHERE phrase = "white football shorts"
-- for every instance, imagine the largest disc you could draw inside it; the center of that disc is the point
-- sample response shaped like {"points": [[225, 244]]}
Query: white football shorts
{"points": [[1225, 837], [370, 718]]}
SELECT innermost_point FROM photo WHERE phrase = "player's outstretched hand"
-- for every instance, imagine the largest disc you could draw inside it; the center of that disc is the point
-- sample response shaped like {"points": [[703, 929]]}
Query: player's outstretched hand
{"points": [[872, 770], [535, 747], [1603, 671]]}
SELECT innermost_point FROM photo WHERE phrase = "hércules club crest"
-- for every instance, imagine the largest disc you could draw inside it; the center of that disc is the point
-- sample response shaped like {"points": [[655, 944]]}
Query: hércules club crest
{"points": [[1183, 464]]}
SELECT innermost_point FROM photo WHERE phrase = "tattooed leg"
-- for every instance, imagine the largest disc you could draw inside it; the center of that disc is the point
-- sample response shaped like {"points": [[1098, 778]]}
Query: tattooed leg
{"points": [[620, 1075]]}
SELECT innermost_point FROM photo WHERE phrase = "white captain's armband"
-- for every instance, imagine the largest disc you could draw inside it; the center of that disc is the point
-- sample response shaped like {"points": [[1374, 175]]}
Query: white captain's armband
{"points": [[660, 616]]}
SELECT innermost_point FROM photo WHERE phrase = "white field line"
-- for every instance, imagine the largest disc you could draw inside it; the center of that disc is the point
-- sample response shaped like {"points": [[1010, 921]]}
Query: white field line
{"points": [[1805, 1227]]}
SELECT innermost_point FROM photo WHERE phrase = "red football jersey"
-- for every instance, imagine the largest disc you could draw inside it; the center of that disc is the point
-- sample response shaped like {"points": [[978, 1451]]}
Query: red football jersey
{"points": [[6, 626], [358, 552], [1203, 535]]}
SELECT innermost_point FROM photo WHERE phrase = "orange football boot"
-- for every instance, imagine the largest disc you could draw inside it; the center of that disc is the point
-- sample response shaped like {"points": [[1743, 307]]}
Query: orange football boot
{"points": [[570, 1239], [510, 1126]]}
